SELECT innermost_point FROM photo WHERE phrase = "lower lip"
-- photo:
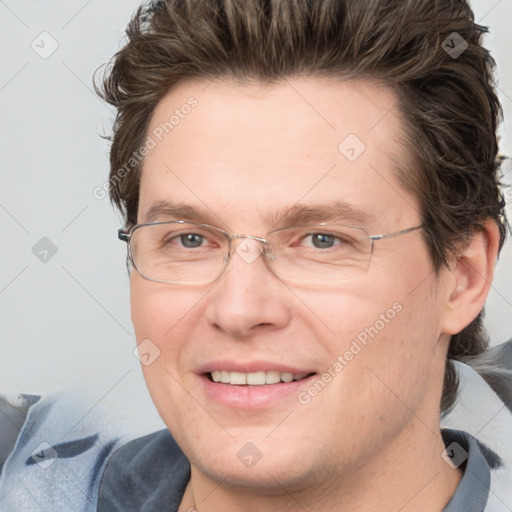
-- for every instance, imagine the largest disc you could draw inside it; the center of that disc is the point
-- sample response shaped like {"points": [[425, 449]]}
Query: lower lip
{"points": [[251, 397]]}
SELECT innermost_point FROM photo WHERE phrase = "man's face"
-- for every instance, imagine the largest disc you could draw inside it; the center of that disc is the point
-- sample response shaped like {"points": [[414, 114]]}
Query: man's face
{"points": [[241, 157]]}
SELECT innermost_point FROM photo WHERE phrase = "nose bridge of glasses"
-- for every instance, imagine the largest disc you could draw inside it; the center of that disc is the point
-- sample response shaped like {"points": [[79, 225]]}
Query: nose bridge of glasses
{"points": [[262, 241], [250, 247], [255, 241]]}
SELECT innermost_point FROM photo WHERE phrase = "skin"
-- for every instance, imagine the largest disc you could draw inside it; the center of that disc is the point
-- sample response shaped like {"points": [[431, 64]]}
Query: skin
{"points": [[370, 439]]}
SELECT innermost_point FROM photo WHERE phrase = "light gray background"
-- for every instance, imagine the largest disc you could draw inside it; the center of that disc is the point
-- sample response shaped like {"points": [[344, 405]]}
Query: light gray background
{"points": [[66, 323]]}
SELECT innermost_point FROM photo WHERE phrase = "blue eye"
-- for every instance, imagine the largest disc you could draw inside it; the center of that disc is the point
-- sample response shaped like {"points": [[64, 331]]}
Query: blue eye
{"points": [[192, 240], [322, 241]]}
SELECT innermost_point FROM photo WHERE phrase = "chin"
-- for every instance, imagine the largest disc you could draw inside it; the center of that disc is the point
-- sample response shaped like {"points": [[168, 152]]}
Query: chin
{"points": [[266, 477], [249, 461]]}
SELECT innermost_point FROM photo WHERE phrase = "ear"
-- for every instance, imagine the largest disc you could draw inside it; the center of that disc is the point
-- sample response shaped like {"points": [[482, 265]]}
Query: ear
{"points": [[470, 279]]}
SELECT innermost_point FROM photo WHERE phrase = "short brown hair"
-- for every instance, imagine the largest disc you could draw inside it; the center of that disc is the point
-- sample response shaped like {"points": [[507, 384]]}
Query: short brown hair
{"points": [[447, 99]]}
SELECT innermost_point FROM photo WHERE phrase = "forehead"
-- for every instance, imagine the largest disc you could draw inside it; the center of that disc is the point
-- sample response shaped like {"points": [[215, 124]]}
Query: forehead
{"points": [[240, 149]]}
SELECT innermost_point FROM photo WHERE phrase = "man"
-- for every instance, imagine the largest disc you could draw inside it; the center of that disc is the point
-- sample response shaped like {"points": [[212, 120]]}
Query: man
{"points": [[313, 216]]}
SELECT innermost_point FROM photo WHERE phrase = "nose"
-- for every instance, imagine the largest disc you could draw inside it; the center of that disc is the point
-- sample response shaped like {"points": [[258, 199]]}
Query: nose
{"points": [[248, 298]]}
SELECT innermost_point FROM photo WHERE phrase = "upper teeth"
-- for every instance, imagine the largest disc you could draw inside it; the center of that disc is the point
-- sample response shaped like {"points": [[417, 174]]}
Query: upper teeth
{"points": [[255, 378]]}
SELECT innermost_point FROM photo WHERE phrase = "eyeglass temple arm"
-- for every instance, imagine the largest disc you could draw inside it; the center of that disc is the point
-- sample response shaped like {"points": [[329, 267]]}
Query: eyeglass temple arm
{"points": [[396, 233], [123, 235]]}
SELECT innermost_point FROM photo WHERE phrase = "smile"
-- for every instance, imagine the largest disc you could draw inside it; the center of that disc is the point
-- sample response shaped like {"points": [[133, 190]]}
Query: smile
{"points": [[259, 378]]}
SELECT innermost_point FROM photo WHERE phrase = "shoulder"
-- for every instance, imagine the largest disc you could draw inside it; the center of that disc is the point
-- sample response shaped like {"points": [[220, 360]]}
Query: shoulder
{"points": [[483, 418], [55, 453], [148, 473]]}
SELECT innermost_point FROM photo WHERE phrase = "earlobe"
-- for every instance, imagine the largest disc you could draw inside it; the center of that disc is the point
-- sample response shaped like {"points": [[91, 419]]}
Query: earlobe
{"points": [[472, 275]]}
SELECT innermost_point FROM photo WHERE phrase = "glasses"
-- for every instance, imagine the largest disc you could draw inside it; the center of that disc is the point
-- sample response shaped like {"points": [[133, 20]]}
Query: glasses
{"points": [[180, 252]]}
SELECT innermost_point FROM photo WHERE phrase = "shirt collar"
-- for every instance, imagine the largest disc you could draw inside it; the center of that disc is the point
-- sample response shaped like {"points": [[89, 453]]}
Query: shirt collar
{"points": [[473, 490]]}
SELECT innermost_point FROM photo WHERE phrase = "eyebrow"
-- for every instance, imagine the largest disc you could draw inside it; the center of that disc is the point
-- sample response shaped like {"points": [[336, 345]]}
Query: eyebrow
{"points": [[165, 210], [338, 211]]}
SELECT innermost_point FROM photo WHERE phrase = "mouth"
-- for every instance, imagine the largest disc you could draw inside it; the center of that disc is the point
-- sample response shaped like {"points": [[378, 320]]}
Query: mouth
{"points": [[258, 378], [253, 385]]}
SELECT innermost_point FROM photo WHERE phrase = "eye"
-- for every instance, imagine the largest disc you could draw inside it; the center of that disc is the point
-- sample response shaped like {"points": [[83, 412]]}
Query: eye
{"points": [[191, 240], [181, 240], [322, 240]]}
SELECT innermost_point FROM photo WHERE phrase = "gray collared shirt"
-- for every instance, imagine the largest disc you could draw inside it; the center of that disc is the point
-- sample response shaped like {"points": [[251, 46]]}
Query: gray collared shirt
{"points": [[473, 490]]}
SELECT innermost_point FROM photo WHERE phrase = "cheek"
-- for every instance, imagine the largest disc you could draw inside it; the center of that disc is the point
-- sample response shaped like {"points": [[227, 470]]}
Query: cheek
{"points": [[167, 318], [385, 371], [361, 312], [403, 362], [163, 319], [383, 330], [160, 311]]}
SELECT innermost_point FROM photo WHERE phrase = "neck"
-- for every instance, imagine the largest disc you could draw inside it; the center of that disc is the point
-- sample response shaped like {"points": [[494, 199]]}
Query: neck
{"points": [[409, 475]]}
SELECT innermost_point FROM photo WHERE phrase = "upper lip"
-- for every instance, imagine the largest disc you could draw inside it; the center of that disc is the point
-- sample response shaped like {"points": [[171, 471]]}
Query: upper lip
{"points": [[251, 367]]}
